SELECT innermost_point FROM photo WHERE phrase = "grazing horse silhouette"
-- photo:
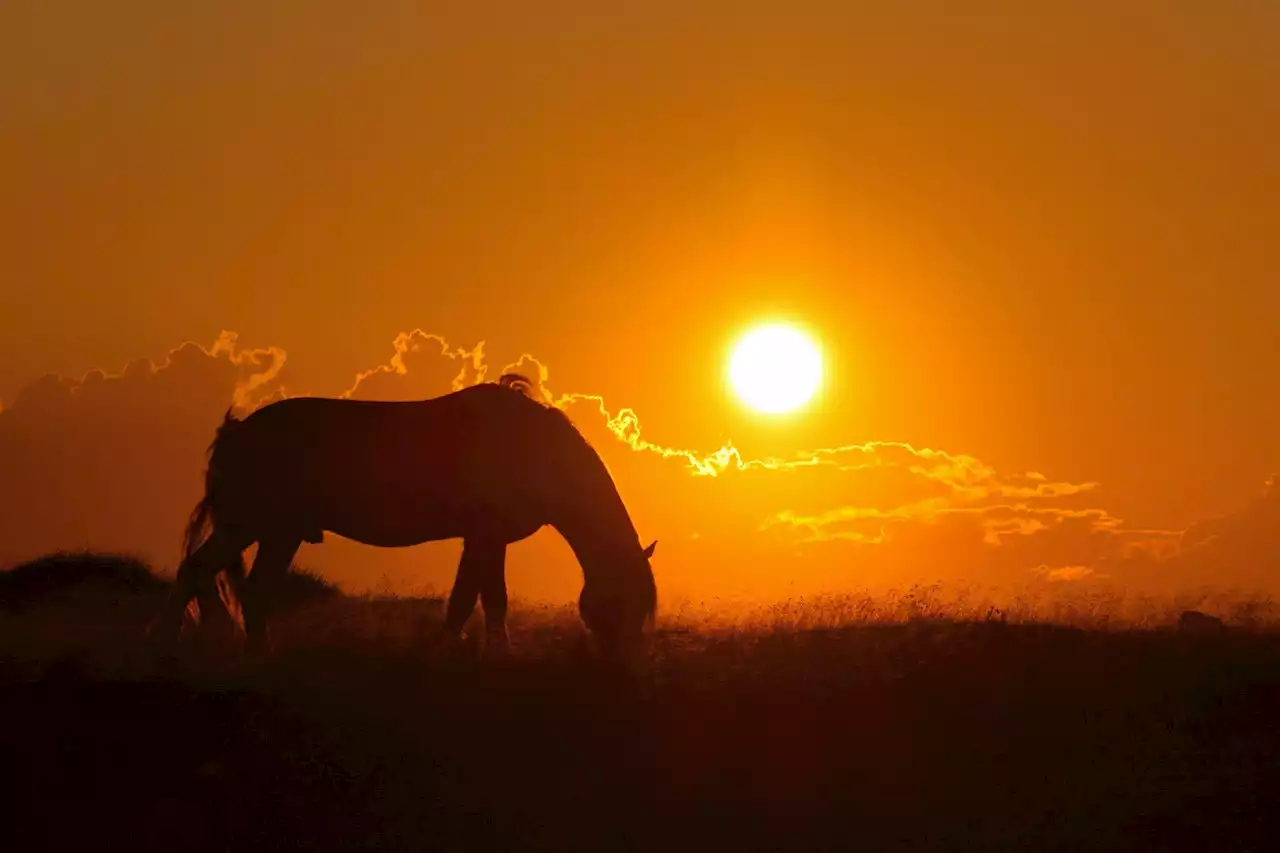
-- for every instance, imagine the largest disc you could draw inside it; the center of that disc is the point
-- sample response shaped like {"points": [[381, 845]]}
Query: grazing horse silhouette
{"points": [[489, 464]]}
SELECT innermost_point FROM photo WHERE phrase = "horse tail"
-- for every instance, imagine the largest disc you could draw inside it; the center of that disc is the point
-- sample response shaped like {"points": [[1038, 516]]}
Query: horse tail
{"points": [[203, 515], [197, 524]]}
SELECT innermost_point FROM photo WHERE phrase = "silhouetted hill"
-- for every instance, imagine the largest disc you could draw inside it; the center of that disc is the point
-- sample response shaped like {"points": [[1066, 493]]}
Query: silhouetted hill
{"points": [[56, 575], [301, 586], [872, 734]]}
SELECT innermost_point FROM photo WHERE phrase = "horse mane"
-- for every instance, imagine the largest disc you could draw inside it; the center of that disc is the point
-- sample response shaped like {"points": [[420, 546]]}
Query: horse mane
{"points": [[595, 464], [523, 384], [229, 424], [518, 382]]}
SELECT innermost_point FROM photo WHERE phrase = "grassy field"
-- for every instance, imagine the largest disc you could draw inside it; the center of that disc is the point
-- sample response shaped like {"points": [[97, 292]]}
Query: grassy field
{"points": [[846, 723]]}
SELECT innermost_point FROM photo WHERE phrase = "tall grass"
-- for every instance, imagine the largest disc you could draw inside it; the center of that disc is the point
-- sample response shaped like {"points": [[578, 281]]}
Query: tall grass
{"points": [[922, 718]]}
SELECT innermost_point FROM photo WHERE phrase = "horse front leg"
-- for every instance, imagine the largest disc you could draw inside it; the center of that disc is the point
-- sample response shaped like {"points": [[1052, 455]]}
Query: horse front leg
{"points": [[493, 597], [270, 566], [482, 560]]}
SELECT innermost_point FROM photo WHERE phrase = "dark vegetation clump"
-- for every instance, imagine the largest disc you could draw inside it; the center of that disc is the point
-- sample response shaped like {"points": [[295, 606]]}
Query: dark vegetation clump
{"points": [[845, 729], [58, 575], [301, 586]]}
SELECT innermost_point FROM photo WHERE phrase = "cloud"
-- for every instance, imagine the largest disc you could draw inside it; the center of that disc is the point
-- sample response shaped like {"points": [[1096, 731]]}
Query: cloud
{"points": [[115, 460], [965, 478], [1237, 547], [259, 376], [422, 365], [1066, 573]]}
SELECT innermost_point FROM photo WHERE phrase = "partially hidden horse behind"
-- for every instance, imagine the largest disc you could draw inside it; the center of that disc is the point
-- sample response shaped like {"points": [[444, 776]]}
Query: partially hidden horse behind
{"points": [[489, 464]]}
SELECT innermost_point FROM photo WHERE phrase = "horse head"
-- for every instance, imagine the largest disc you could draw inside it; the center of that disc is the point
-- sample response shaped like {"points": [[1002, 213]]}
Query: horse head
{"points": [[618, 610]]}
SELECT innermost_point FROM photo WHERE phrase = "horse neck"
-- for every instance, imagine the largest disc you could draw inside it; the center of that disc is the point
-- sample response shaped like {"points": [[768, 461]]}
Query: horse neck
{"points": [[597, 526], [590, 514], [597, 534]]}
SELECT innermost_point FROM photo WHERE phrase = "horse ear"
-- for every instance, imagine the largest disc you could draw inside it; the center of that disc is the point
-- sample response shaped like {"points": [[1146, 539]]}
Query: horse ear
{"points": [[648, 552]]}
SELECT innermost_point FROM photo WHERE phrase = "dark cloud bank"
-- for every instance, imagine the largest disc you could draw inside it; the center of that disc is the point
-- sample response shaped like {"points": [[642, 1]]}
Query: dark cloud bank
{"points": [[114, 461]]}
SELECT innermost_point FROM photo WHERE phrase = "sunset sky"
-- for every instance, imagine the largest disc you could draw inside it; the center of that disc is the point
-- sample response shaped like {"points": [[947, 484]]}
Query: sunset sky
{"points": [[1038, 243]]}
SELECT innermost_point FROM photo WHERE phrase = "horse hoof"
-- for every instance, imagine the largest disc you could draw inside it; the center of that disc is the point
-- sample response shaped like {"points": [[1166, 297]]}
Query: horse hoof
{"points": [[497, 647], [445, 646]]}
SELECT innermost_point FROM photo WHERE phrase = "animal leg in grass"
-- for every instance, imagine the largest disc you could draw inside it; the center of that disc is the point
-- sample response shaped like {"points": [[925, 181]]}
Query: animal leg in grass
{"points": [[263, 584], [197, 579], [493, 596], [479, 556]]}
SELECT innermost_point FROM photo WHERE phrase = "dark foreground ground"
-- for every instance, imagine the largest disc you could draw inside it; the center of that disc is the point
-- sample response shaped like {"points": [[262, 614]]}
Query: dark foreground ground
{"points": [[933, 735]]}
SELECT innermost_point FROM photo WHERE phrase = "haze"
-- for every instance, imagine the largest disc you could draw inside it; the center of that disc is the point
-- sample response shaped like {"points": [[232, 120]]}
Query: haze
{"points": [[1038, 242]]}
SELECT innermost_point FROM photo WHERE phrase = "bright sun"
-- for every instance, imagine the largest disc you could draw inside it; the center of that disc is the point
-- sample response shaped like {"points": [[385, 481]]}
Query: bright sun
{"points": [[775, 369]]}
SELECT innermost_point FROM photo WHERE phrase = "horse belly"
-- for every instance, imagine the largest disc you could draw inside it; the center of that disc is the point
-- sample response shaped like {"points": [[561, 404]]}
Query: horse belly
{"points": [[394, 515], [395, 533], [407, 521]]}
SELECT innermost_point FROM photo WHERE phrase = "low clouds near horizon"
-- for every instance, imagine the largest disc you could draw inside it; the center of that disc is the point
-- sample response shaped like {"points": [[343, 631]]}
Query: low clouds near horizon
{"points": [[114, 461]]}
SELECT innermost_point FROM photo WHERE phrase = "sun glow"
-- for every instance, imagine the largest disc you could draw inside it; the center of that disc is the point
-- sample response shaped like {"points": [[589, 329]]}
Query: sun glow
{"points": [[775, 369]]}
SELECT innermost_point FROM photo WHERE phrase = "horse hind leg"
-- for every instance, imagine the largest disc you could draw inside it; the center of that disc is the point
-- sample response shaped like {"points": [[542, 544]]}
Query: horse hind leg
{"points": [[269, 566], [196, 580], [218, 604]]}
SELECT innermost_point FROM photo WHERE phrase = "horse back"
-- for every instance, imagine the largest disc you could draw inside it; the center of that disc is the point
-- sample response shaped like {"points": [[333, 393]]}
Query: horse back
{"points": [[481, 434]]}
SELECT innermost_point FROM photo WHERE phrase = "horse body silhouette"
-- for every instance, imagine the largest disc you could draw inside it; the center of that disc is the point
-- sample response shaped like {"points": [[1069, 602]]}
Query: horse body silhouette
{"points": [[488, 464]]}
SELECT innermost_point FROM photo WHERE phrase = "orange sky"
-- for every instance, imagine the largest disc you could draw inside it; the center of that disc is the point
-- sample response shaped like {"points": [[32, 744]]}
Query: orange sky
{"points": [[1041, 236]]}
